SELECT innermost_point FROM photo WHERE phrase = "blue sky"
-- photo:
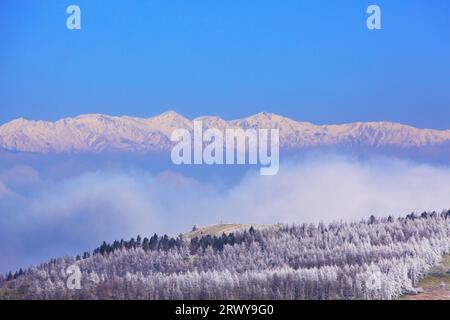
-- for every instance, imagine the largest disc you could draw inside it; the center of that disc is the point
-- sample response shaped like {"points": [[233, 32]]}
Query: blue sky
{"points": [[309, 60]]}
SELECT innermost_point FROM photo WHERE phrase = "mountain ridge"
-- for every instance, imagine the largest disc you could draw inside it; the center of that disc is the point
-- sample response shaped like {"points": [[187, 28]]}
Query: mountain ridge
{"points": [[100, 132]]}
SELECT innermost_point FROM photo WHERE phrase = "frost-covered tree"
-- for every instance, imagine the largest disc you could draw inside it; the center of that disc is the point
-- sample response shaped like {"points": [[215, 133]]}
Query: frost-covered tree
{"points": [[380, 258]]}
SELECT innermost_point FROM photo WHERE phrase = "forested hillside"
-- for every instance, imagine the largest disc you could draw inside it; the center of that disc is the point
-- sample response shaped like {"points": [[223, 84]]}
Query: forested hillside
{"points": [[375, 259]]}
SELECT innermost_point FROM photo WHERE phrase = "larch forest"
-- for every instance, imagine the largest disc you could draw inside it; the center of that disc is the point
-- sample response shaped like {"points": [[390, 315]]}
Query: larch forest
{"points": [[381, 258]]}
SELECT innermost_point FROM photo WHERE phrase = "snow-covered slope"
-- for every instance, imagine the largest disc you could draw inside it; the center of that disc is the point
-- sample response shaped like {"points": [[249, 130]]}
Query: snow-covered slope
{"points": [[97, 133]]}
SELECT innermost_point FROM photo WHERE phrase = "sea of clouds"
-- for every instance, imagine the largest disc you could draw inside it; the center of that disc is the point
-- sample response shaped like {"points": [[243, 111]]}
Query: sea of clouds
{"points": [[44, 217]]}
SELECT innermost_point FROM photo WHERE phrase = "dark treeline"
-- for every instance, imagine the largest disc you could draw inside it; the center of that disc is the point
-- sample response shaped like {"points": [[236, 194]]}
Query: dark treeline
{"points": [[165, 243]]}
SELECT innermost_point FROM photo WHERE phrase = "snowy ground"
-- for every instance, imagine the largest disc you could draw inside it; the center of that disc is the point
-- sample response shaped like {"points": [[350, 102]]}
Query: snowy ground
{"points": [[219, 229]]}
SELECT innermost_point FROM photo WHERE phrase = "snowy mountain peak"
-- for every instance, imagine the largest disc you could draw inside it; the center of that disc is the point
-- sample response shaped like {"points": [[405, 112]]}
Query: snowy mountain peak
{"points": [[262, 117], [99, 132], [16, 123], [170, 116]]}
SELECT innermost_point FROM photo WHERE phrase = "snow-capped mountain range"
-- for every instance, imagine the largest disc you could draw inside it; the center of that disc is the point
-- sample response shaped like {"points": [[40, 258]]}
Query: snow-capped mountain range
{"points": [[98, 132]]}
